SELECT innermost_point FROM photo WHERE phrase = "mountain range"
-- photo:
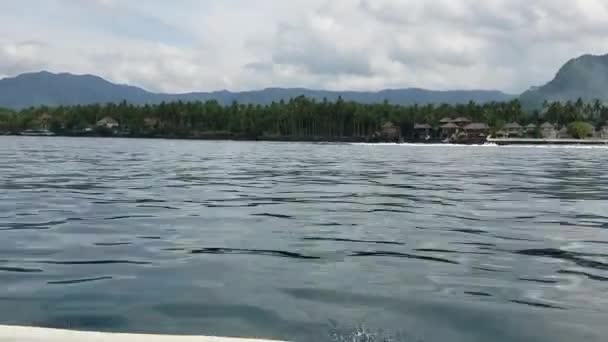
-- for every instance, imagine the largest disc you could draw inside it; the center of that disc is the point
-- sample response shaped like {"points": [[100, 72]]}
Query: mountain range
{"points": [[585, 77], [45, 88]]}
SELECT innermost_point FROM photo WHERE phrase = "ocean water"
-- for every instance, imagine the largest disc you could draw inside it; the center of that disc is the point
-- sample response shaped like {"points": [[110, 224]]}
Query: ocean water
{"points": [[305, 242]]}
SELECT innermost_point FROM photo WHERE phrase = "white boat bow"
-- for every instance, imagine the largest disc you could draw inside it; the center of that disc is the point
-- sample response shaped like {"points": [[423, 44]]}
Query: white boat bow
{"points": [[27, 334]]}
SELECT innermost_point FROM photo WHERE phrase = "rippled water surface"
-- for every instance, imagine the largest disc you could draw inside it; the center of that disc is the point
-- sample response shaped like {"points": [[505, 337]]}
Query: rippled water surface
{"points": [[305, 242]]}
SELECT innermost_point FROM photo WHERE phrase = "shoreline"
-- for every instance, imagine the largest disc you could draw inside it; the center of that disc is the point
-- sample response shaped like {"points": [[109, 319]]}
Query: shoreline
{"points": [[347, 140], [287, 139]]}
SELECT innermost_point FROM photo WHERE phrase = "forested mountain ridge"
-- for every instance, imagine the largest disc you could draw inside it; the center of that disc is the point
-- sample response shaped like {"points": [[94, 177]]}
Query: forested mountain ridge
{"points": [[49, 89], [585, 77]]}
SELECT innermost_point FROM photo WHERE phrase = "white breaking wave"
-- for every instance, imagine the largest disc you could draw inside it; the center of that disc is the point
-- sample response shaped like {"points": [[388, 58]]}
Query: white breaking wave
{"points": [[584, 147], [419, 145], [600, 147]]}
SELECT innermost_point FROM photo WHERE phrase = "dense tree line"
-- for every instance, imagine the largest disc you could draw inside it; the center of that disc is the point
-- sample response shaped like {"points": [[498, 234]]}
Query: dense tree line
{"points": [[563, 113], [299, 117]]}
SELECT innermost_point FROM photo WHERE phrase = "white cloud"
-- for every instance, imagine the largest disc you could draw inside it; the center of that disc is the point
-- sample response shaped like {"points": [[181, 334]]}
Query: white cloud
{"points": [[20, 56], [338, 44]]}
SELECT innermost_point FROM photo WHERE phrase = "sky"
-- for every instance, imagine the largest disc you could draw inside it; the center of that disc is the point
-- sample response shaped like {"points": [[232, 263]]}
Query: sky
{"points": [[204, 45]]}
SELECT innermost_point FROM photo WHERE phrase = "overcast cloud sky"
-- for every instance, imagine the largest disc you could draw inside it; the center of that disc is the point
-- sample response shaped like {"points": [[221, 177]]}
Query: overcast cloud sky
{"points": [[185, 45]]}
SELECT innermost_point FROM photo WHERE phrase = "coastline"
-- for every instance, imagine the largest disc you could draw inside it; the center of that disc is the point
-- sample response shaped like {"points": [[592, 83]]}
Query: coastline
{"points": [[220, 136], [352, 140]]}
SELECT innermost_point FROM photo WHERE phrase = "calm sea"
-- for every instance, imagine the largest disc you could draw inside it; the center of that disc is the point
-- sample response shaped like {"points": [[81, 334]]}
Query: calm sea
{"points": [[306, 242]]}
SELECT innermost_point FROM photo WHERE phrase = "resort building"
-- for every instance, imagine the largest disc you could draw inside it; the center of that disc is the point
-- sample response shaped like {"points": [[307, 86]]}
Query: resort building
{"points": [[531, 130], [477, 130], [563, 133], [513, 130], [461, 121], [391, 132], [548, 131], [603, 132], [108, 122], [151, 122], [445, 120], [423, 132], [448, 130]]}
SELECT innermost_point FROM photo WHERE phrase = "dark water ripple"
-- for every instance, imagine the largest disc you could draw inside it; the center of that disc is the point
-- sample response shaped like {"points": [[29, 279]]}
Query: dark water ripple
{"points": [[112, 244], [353, 240], [77, 281], [19, 269], [566, 255], [403, 255], [95, 262], [305, 242], [539, 305], [283, 254], [584, 274]]}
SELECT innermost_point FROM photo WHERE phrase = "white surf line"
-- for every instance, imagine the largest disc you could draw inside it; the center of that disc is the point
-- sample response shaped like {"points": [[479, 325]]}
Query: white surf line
{"points": [[574, 146], [26, 334]]}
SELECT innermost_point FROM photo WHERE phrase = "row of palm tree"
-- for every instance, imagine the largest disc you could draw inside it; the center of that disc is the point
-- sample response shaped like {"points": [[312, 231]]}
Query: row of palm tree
{"points": [[299, 117]]}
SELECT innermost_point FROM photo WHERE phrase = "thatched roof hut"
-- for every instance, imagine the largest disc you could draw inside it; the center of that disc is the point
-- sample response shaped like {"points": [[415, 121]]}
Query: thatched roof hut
{"points": [[513, 129], [501, 134], [151, 122], [531, 128], [450, 125], [390, 131], [563, 133], [512, 126], [44, 117], [476, 126], [462, 121], [476, 129], [547, 131], [107, 122], [445, 120], [547, 125], [422, 127], [388, 124], [603, 133]]}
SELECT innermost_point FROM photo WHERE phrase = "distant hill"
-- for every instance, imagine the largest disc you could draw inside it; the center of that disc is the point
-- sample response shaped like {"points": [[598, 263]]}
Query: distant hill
{"points": [[45, 88], [585, 77]]}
